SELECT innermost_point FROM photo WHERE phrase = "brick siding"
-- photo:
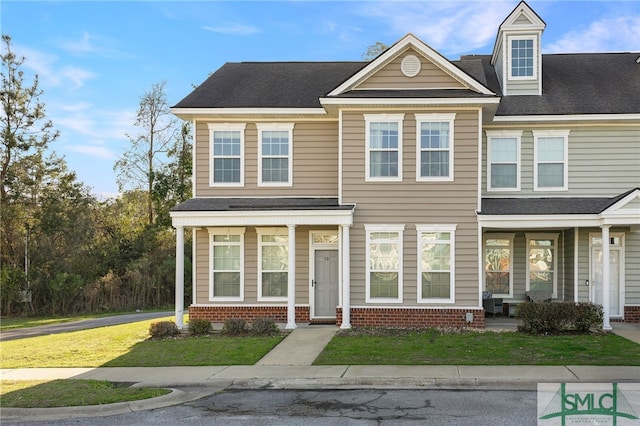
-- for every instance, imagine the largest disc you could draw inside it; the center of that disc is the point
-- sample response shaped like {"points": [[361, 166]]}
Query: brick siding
{"points": [[413, 317], [218, 314], [632, 313]]}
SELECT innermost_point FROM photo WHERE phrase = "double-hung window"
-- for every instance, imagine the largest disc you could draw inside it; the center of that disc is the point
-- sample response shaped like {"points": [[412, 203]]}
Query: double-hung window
{"points": [[550, 156], [275, 151], [227, 154], [436, 265], [227, 264], [503, 160], [273, 263], [383, 134], [522, 57], [384, 263], [498, 266], [434, 154], [542, 263]]}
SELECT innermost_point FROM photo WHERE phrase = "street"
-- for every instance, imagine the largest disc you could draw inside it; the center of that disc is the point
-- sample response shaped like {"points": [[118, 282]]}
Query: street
{"points": [[336, 407]]}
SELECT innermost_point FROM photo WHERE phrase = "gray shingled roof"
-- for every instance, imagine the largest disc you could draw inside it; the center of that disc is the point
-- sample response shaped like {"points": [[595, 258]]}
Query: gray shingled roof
{"points": [[548, 206], [243, 204]]}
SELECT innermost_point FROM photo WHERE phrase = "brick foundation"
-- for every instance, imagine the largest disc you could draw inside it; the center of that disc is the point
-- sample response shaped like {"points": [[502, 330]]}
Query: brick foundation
{"points": [[218, 314], [412, 317], [632, 314]]}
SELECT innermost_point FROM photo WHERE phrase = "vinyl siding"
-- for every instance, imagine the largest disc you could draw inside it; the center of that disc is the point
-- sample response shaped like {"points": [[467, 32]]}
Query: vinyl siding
{"points": [[315, 163], [410, 203], [568, 243], [603, 161], [391, 77], [523, 87]]}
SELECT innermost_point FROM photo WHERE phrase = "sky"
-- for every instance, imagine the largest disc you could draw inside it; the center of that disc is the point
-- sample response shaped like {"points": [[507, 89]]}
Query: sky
{"points": [[95, 59]]}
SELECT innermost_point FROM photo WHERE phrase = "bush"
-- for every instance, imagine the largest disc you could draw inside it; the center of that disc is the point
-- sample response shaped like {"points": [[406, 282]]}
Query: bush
{"points": [[553, 318], [234, 327], [162, 329], [199, 327], [264, 327]]}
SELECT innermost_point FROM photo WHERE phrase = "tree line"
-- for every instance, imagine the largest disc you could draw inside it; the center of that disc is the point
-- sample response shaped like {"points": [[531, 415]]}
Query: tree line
{"points": [[61, 249]]}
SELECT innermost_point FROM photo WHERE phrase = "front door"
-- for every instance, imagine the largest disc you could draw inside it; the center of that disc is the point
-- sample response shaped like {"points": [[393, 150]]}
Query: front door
{"points": [[325, 283], [615, 254]]}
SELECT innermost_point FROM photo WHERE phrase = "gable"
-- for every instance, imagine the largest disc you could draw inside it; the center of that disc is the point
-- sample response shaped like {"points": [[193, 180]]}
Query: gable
{"points": [[398, 74]]}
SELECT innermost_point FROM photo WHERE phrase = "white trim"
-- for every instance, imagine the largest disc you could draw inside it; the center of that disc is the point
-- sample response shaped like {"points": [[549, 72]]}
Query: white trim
{"points": [[556, 265], [504, 134], [397, 119], [408, 101], [621, 273], [555, 221], [498, 236], [194, 131], [567, 117], [221, 127], [266, 127], [280, 230], [448, 118], [313, 247], [451, 229], [576, 264], [194, 266], [226, 231], [418, 307], [399, 229], [536, 59], [564, 134], [479, 175], [410, 65], [262, 218]]}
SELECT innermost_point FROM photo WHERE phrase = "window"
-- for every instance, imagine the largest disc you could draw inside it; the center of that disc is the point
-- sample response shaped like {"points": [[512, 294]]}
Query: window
{"points": [[384, 263], [436, 266], [383, 134], [273, 265], [498, 260], [227, 160], [541, 263], [550, 171], [434, 147], [523, 58], [227, 264], [275, 167], [503, 160]]}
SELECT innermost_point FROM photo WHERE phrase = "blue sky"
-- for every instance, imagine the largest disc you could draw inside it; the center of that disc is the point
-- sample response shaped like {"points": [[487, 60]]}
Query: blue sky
{"points": [[96, 58]]}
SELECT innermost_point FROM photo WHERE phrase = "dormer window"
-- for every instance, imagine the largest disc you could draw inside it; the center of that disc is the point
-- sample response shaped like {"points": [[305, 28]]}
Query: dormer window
{"points": [[522, 60]]}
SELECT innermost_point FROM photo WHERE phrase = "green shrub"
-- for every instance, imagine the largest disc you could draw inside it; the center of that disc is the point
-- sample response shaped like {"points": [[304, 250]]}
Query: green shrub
{"points": [[553, 318], [162, 329], [264, 327], [234, 327], [199, 327]]}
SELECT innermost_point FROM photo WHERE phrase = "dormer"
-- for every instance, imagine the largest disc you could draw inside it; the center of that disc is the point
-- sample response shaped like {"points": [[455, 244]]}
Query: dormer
{"points": [[517, 56]]}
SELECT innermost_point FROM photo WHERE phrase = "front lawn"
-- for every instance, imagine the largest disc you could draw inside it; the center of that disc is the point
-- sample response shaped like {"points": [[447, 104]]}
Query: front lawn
{"points": [[432, 347]]}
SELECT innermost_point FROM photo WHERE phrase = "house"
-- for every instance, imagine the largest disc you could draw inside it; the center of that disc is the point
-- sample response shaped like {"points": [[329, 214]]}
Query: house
{"points": [[396, 192]]}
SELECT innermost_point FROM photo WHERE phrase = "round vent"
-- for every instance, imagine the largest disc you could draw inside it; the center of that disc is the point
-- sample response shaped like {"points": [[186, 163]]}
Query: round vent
{"points": [[410, 66]]}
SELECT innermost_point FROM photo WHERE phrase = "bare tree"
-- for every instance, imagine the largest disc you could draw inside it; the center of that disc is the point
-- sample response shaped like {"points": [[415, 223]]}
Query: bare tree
{"points": [[374, 50]]}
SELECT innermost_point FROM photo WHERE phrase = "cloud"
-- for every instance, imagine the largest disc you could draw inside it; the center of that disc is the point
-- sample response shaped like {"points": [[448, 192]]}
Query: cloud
{"points": [[607, 35], [94, 150], [233, 29], [80, 47], [47, 67]]}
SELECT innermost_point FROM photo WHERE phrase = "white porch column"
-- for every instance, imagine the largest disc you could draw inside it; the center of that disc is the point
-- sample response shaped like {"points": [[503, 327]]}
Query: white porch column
{"points": [[179, 276], [346, 282], [606, 278], [291, 283]]}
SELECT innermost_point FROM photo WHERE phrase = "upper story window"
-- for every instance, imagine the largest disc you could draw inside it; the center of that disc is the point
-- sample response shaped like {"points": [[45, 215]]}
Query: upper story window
{"points": [[227, 264], [275, 151], [434, 154], [550, 157], [503, 160], [522, 57], [436, 264], [383, 138], [227, 154], [384, 263]]}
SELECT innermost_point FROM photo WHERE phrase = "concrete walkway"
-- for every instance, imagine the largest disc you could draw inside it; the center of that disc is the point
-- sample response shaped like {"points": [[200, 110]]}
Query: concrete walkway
{"points": [[301, 347]]}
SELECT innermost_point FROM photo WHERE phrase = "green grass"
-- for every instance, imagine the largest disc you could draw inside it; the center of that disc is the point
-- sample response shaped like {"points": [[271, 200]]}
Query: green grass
{"points": [[127, 345], [65, 393], [12, 323], [432, 347]]}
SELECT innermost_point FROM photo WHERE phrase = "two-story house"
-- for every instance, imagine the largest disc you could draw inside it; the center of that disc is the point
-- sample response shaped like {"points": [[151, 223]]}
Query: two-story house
{"points": [[396, 192]]}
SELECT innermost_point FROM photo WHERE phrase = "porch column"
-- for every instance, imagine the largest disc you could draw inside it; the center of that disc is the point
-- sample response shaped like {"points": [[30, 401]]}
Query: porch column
{"points": [[606, 284], [179, 276], [291, 283], [346, 282]]}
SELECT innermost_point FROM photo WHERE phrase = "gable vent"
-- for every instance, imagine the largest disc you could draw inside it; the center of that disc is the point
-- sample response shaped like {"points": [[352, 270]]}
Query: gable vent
{"points": [[410, 66]]}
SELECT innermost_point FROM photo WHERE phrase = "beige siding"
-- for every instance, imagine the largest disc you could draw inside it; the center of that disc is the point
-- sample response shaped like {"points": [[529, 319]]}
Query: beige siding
{"points": [[498, 66], [410, 203], [524, 87], [315, 163], [603, 161], [391, 76]]}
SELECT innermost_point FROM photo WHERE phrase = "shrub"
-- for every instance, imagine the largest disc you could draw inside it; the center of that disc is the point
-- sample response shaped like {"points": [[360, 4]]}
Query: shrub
{"points": [[264, 327], [162, 329], [234, 327], [199, 327], [553, 318]]}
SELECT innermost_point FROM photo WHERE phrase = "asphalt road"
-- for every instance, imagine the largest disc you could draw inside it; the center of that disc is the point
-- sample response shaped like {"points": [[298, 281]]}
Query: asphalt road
{"points": [[335, 407], [43, 330]]}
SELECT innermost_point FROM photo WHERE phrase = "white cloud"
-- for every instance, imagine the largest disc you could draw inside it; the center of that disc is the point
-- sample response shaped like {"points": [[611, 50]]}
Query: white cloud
{"points": [[233, 29], [49, 71], [76, 76], [99, 151], [617, 34], [80, 47]]}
